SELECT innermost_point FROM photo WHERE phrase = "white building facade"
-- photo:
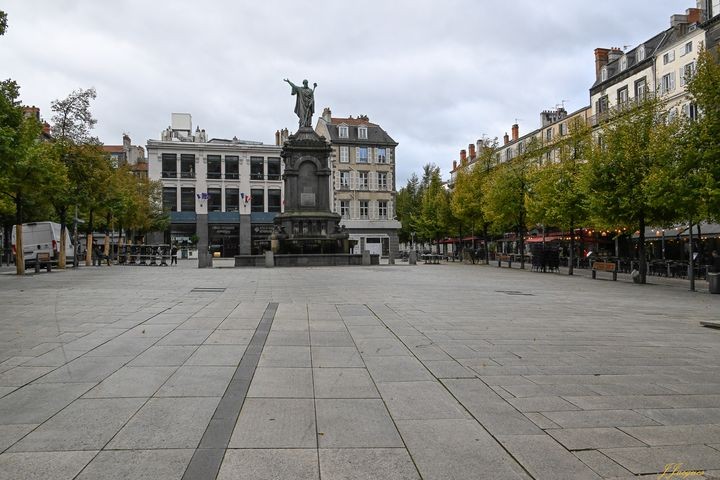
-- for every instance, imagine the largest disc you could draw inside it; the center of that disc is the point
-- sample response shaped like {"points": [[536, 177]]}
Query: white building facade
{"points": [[224, 194]]}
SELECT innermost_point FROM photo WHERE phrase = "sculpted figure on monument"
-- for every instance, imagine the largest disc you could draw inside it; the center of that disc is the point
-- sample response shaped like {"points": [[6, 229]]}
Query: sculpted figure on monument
{"points": [[305, 102]]}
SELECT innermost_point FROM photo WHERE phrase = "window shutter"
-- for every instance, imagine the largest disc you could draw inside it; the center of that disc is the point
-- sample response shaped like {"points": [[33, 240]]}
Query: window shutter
{"points": [[391, 212], [372, 181], [681, 74], [390, 182], [357, 154], [672, 81], [371, 155]]}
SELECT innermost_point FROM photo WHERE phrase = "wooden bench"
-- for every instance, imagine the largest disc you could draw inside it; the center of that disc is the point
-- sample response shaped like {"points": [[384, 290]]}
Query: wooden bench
{"points": [[431, 258], [504, 258], [604, 267], [43, 259]]}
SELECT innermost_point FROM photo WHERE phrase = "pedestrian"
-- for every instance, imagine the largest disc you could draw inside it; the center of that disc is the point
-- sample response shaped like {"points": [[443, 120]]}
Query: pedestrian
{"points": [[96, 254], [173, 255]]}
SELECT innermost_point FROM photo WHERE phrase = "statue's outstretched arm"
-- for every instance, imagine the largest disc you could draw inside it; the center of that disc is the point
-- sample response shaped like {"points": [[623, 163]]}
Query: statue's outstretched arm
{"points": [[291, 83]]}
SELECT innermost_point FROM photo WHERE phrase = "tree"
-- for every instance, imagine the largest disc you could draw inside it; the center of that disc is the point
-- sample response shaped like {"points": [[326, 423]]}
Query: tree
{"points": [[627, 176], [434, 205], [3, 22], [27, 172], [408, 207], [558, 195], [72, 123]]}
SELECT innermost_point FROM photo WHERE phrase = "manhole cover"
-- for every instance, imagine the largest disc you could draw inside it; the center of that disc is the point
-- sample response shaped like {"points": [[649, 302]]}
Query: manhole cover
{"points": [[207, 290], [514, 292]]}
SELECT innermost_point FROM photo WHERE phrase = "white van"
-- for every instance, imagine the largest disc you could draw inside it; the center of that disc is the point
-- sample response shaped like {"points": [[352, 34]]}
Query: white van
{"points": [[44, 237]]}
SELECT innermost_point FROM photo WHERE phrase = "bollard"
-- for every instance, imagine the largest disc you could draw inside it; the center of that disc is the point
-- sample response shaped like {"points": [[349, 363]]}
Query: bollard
{"points": [[366, 257], [269, 259], [391, 259], [412, 258]]}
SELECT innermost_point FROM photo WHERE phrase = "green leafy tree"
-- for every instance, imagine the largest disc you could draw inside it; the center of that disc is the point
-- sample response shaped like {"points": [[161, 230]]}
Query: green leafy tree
{"points": [[408, 207], [27, 173], [627, 174], [3, 22], [559, 197], [434, 206]]}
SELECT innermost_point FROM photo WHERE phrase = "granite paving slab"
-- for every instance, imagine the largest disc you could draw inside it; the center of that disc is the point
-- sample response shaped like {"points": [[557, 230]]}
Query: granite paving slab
{"points": [[355, 423], [285, 356], [593, 438], [274, 464], [600, 418], [85, 369], [676, 434], [420, 401], [43, 465], [132, 382], [163, 355], [197, 381], [86, 424], [397, 369], [36, 403], [166, 423], [282, 383], [543, 457], [655, 459], [10, 434], [346, 357], [137, 464], [367, 463], [457, 449], [343, 383], [275, 423], [603, 465], [217, 355]]}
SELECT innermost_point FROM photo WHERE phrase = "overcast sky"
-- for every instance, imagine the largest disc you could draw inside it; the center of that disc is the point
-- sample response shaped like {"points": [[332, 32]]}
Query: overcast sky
{"points": [[436, 75]]}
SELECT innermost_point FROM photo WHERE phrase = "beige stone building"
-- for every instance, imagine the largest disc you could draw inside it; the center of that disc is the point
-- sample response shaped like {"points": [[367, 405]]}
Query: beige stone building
{"points": [[363, 189]]}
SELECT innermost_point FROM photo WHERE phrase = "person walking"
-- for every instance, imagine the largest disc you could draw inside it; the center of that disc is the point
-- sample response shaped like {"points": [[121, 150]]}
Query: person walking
{"points": [[173, 255]]}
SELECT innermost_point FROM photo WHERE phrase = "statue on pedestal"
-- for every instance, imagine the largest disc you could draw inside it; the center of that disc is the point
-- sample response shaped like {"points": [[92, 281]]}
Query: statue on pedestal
{"points": [[305, 102]]}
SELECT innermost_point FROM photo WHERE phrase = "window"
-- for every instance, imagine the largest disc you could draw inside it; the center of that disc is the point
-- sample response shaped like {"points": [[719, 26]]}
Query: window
{"points": [[382, 181], [274, 200], [364, 209], [548, 134], [362, 133], [257, 168], [170, 199], [232, 168], [257, 200], [273, 168], [640, 53], [345, 208], [563, 129], [601, 106], [622, 96], [187, 166], [344, 155], [687, 48], [623, 63], [603, 74], [232, 199], [362, 180], [362, 155], [215, 200], [669, 57], [667, 83], [344, 179], [686, 73], [520, 148], [383, 209], [691, 111], [640, 89], [213, 166], [381, 158], [343, 131], [169, 165], [187, 199]]}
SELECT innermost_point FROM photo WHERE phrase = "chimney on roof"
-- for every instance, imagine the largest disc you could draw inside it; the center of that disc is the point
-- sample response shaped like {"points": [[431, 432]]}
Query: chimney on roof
{"points": [[463, 157], [506, 139], [471, 149], [601, 59], [327, 115], [694, 15], [454, 165], [515, 132], [46, 128], [614, 54], [277, 137]]}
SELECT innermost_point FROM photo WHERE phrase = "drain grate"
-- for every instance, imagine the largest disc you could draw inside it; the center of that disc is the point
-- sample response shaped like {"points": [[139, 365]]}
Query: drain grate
{"points": [[207, 290], [515, 292]]}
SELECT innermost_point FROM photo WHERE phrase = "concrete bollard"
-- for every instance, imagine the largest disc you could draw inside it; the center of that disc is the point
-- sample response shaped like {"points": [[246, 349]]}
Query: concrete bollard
{"points": [[412, 258], [269, 259], [391, 259], [366, 257]]}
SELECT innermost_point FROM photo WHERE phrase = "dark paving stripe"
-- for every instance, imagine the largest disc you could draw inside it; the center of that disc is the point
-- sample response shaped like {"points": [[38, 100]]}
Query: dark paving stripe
{"points": [[205, 462]]}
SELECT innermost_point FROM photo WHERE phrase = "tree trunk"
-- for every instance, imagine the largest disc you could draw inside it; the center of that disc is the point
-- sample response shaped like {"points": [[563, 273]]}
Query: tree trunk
{"points": [[691, 262], [19, 255], [641, 251], [89, 241], [485, 244], [63, 229], [571, 257]]}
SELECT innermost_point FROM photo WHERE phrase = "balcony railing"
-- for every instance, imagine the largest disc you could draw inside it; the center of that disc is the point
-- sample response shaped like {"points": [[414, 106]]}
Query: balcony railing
{"points": [[169, 174]]}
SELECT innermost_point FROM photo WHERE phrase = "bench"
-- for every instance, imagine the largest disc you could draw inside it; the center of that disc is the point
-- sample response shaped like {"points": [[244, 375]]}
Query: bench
{"points": [[604, 267], [431, 258], [43, 259], [504, 258]]}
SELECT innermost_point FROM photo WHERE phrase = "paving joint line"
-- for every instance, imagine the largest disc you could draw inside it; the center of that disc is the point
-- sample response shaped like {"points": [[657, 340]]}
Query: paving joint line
{"points": [[208, 456]]}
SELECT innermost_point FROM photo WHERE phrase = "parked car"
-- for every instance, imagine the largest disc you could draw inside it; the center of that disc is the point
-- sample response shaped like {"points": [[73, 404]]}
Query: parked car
{"points": [[42, 237]]}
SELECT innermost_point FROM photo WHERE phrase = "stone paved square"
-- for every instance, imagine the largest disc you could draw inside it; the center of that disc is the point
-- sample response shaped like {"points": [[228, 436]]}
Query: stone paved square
{"points": [[398, 372]]}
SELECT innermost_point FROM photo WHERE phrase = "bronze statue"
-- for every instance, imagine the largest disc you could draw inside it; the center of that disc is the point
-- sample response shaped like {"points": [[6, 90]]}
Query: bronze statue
{"points": [[305, 102]]}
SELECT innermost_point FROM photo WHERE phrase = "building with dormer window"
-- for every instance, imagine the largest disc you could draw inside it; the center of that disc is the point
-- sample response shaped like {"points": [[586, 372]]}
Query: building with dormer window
{"points": [[363, 191]]}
